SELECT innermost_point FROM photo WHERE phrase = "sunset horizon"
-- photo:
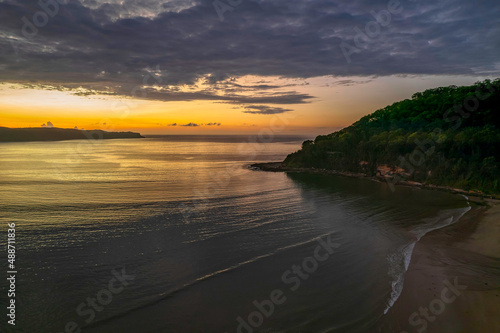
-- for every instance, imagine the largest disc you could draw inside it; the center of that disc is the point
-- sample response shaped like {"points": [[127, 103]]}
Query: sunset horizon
{"points": [[250, 166], [332, 106]]}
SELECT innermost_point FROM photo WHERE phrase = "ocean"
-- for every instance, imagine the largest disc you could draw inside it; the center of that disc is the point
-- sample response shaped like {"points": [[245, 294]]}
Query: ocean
{"points": [[178, 234]]}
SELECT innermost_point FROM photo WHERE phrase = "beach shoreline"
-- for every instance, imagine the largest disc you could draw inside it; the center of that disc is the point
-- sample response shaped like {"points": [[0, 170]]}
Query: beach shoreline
{"points": [[460, 262], [453, 281], [279, 167]]}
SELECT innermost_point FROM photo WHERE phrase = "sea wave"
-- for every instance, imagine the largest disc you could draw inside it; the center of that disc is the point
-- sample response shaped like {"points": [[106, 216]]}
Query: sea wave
{"points": [[399, 261]]}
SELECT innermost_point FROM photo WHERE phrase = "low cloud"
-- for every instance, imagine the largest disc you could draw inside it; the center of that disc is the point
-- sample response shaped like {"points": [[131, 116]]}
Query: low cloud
{"points": [[193, 124], [264, 109]]}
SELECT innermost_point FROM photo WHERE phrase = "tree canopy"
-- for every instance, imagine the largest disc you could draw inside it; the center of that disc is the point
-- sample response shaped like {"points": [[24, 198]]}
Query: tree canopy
{"points": [[443, 136]]}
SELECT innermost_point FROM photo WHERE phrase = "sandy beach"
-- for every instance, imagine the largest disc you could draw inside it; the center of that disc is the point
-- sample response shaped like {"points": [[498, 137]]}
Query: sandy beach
{"points": [[453, 280]]}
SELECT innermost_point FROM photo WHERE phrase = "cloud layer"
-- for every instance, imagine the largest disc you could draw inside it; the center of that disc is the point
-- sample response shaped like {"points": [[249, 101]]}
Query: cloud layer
{"points": [[191, 124], [117, 46], [264, 109]]}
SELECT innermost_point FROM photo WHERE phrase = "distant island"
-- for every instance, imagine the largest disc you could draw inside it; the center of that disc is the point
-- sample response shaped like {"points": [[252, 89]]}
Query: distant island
{"points": [[59, 134], [446, 137]]}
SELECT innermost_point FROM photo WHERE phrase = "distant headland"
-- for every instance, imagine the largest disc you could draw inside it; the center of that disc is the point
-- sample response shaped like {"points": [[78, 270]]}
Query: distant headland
{"points": [[60, 134]]}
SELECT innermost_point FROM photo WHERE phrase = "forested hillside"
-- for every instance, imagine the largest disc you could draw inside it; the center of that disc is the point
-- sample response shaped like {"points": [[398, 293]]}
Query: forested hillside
{"points": [[445, 136]]}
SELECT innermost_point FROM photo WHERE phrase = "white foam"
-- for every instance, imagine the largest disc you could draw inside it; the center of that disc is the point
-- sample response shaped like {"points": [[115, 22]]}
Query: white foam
{"points": [[403, 256], [400, 260]]}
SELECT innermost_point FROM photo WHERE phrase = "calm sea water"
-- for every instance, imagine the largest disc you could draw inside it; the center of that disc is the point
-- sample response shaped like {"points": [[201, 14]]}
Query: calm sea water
{"points": [[176, 234]]}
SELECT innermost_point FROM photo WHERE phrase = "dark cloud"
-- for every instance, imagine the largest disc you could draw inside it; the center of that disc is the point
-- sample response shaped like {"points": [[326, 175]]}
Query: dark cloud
{"points": [[115, 46], [264, 109], [290, 97], [191, 124], [348, 82]]}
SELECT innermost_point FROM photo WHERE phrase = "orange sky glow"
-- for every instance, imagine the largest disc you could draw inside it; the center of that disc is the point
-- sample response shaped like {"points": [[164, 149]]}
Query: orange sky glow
{"points": [[337, 103]]}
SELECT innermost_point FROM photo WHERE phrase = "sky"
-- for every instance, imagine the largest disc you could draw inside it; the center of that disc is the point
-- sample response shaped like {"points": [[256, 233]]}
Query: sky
{"points": [[233, 66]]}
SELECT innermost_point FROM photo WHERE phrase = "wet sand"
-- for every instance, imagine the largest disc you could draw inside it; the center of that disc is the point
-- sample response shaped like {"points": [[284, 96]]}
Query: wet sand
{"points": [[453, 281]]}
